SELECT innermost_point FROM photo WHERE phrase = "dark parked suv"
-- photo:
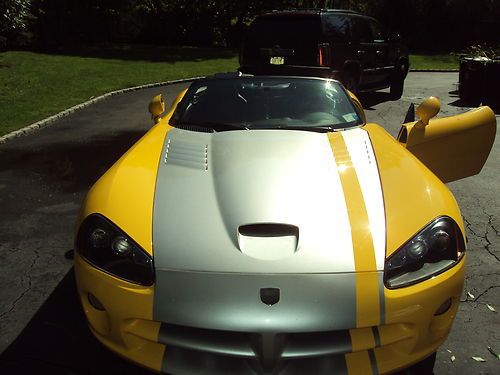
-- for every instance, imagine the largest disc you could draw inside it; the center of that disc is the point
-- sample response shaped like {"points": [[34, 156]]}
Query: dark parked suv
{"points": [[342, 44]]}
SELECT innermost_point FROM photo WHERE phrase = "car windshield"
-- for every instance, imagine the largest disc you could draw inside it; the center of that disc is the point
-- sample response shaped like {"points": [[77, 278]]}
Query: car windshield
{"points": [[266, 103]]}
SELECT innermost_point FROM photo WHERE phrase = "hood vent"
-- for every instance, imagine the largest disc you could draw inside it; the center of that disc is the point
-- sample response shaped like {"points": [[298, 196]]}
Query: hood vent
{"points": [[195, 128], [190, 155], [268, 241]]}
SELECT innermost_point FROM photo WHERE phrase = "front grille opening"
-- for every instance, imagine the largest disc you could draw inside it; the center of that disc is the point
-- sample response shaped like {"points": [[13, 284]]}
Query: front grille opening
{"points": [[209, 351], [256, 345]]}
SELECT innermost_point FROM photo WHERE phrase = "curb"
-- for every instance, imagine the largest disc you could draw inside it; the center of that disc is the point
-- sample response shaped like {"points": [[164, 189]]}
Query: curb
{"points": [[50, 120]]}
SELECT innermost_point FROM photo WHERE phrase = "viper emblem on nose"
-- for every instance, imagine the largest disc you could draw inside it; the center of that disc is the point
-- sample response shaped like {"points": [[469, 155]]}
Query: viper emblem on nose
{"points": [[270, 296]]}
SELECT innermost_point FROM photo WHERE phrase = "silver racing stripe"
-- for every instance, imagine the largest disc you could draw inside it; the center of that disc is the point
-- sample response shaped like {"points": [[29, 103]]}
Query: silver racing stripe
{"points": [[373, 362], [363, 158], [381, 297], [232, 302], [210, 272], [213, 318], [282, 179]]}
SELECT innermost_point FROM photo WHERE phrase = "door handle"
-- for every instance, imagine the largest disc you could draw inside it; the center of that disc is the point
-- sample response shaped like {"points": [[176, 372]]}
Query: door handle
{"points": [[361, 52]]}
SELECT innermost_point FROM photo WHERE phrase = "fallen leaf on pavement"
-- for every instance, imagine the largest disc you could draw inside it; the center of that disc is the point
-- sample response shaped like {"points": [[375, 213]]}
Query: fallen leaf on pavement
{"points": [[479, 359], [493, 352], [470, 295], [452, 358], [491, 308]]}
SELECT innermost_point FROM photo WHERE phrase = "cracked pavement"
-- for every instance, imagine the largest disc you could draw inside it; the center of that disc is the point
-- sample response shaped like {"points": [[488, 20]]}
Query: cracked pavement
{"points": [[475, 327], [44, 177]]}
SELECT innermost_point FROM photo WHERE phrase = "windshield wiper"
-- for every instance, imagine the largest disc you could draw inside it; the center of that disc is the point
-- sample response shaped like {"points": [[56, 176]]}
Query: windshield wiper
{"points": [[317, 129], [216, 126]]}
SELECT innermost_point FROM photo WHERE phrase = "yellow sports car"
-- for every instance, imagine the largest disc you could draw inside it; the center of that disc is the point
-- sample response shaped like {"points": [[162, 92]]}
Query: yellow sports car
{"points": [[263, 227]]}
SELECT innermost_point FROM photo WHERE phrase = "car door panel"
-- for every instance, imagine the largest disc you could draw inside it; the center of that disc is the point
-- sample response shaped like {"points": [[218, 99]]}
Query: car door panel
{"points": [[383, 65], [452, 147], [364, 50]]}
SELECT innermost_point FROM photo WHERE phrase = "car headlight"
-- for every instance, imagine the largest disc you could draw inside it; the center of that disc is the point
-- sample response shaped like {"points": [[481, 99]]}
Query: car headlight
{"points": [[106, 247], [436, 248]]}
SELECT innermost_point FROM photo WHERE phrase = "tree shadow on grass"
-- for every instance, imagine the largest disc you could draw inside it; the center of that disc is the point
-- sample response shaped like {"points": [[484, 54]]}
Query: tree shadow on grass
{"points": [[139, 52], [57, 341]]}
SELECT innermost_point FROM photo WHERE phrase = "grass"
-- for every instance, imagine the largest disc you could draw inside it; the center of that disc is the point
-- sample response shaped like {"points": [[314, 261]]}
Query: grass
{"points": [[34, 86], [436, 61]]}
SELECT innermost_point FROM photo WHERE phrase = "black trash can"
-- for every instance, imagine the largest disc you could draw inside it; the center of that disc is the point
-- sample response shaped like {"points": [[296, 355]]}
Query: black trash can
{"points": [[491, 81], [479, 80]]}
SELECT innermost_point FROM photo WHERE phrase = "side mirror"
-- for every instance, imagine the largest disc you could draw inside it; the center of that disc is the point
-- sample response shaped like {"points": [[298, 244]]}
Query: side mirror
{"points": [[428, 109], [157, 107]]}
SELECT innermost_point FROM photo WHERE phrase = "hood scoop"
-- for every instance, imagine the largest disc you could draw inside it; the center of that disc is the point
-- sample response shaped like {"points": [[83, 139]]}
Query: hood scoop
{"points": [[268, 241]]}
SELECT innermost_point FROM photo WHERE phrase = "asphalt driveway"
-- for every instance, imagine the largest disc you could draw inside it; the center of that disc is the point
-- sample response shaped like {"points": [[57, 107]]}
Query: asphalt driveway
{"points": [[44, 177]]}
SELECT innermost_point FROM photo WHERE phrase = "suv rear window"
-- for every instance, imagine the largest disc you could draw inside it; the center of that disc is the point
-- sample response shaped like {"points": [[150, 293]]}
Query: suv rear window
{"points": [[337, 27], [283, 30], [361, 31], [296, 35]]}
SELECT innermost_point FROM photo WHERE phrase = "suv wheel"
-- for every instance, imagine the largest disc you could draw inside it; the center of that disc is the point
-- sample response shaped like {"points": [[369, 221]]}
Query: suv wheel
{"points": [[398, 82], [350, 80]]}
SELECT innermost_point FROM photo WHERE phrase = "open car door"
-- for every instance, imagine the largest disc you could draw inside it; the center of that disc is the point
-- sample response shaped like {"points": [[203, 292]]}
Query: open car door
{"points": [[452, 147]]}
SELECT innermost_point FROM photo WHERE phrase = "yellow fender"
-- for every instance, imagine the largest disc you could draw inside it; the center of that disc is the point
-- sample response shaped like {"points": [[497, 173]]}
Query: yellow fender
{"points": [[357, 104]]}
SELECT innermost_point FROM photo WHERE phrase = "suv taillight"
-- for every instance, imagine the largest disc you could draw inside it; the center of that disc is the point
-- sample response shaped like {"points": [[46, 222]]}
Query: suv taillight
{"points": [[324, 54]]}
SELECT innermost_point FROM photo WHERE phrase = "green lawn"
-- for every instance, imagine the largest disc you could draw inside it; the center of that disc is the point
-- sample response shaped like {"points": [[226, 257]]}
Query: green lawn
{"points": [[34, 86], [437, 61]]}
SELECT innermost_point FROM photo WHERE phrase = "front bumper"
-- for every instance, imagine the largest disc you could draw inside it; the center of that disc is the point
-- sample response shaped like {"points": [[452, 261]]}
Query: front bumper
{"points": [[410, 333]]}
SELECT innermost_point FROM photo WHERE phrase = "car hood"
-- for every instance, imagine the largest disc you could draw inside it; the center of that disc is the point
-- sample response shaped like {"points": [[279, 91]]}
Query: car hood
{"points": [[268, 201]]}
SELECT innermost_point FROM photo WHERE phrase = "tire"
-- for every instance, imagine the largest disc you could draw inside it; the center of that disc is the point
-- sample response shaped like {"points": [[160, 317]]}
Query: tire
{"points": [[398, 83], [350, 80], [424, 367], [396, 90]]}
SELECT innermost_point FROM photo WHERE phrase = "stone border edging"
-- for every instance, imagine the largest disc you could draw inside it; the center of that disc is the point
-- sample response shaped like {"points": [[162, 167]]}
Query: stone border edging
{"points": [[50, 120]]}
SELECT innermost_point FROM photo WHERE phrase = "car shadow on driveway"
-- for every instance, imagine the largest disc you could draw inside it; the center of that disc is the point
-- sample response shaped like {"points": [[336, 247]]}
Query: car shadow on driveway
{"points": [[58, 341], [370, 99], [67, 165]]}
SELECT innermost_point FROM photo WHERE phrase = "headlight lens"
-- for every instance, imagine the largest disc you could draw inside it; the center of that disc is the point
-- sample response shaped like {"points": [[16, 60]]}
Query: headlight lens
{"points": [[433, 250], [106, 247]]}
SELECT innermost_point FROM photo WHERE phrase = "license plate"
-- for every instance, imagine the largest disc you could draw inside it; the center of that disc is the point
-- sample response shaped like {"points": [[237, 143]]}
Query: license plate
{"points": [[277, 60]]}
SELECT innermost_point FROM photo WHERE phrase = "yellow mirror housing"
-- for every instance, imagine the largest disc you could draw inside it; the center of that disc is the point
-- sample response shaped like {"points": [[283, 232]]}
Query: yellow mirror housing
{"points": [[157, 107], [428, 109]]}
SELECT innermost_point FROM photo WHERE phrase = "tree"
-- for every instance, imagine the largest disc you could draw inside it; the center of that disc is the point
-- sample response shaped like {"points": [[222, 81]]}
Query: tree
{"points": [[14, 15]]}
